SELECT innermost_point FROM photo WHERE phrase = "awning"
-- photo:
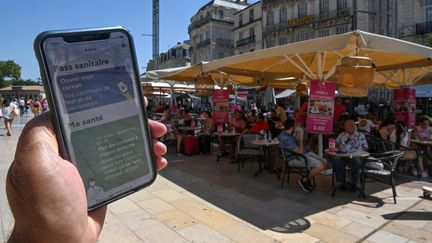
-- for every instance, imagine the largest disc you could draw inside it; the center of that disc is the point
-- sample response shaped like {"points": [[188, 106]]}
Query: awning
{"points": [[284, 93]]}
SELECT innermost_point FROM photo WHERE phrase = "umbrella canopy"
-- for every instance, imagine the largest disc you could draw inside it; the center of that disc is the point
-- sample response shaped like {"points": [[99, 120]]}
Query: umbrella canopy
{"points": [[284, 93], [318, 59], [190, 73]]}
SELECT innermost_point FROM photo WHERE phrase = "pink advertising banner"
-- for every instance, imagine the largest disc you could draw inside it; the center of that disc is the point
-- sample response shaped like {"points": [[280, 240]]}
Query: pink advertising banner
{"points": [[221, 106], [321, 107], [405, 106]]}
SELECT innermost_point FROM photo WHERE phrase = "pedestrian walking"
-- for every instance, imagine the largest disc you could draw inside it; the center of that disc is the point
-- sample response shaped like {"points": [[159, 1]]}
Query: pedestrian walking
{"points": [[8, 111]]}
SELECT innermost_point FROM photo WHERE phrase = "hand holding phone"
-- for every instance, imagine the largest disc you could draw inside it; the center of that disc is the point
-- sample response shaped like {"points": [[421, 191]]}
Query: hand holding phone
{"points": [[94, 92]]}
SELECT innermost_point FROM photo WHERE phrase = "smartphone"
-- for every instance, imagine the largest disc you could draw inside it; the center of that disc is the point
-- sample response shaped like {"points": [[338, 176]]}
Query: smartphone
{"points": [[95, 97]]}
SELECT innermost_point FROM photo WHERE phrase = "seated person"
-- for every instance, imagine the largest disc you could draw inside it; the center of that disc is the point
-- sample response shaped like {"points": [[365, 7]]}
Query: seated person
{"points": [[259, 125], [294, 141], [206, 132], [170, 135], [350, 140], [237, 124], [252, 118], [400, 136], [387, 127], [423, 131]]}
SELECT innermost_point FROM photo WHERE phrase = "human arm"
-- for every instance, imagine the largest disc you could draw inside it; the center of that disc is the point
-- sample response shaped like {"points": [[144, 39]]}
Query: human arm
{"points": [[46, 193]]}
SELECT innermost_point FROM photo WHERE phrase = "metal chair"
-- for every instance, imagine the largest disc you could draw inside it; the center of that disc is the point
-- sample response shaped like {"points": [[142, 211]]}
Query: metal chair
{"points": [[247, 150], [390, 160], [294, 162]]}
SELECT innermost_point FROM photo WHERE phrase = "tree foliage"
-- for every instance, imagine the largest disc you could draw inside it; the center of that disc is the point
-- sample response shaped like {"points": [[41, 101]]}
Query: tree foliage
{"points": [[10, 74], [9, 70]]}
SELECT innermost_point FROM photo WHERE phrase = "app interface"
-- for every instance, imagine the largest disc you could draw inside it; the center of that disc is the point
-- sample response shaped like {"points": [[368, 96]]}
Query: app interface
{"points": [[99, 107]]}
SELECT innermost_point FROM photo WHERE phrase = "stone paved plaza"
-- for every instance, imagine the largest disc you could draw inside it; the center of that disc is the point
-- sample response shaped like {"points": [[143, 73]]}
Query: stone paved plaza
{"points": [[196, 199]]}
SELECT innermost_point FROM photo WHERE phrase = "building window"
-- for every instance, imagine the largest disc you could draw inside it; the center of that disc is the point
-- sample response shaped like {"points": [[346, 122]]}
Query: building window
{"points": [[221, 54], [324, 32], [283, 40], [342, 4], [302, 9], [240, 35], [341, 29], [323, 6], [428, 10], [251, 32], [220, 13], [270, 43], [302, 36], [201, 38], [251, 15], [283, 15], [270, 18], [220, 33], [207, 35], [240, 19]]}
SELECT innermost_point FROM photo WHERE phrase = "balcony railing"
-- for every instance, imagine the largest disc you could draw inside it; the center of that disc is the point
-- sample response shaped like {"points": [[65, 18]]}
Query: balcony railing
{"points": [[203, 43], [423, 28], [309, 19], [245, 41], [225, 42], [208, 18]]}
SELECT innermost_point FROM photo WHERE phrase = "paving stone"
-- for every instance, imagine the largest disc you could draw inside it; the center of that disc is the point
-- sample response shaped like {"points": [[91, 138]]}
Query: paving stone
{"points": [[382, 236], [176, 219], [328, 234], [241, 233], [111, 219], [155, 206], [189, 205], [329, 220], [357, 229], [409, 232], [214, 219], [295, 237], [202, 233], [169, 194], [118, 233], [141, 196], [155, 231], [428, 227], [360, 217], [122, 206], [134, 219]]}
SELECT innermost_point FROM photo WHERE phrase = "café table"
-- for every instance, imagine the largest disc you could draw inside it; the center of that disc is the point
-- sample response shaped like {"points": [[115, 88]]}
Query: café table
{"points": [[266, 146], [228, 138], [349, 155]]}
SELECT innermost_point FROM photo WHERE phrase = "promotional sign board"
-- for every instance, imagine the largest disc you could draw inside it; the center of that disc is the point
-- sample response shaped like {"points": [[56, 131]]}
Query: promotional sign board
{"points": [[321, 107], [405, 106], [221, 106]]}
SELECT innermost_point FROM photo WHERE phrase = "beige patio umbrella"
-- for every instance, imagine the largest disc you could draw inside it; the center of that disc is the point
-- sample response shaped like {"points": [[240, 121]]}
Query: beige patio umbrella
{"points": [[398, 63]]}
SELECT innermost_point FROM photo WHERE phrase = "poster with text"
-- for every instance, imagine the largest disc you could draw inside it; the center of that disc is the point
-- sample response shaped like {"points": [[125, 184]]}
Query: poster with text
{"points": [[321, 107], [221, 106], [405, 106]]}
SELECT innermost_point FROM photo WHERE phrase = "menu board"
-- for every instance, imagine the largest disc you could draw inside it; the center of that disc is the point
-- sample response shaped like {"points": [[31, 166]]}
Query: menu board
{"points": [[221, 106], [321, 107], [405, 106]]}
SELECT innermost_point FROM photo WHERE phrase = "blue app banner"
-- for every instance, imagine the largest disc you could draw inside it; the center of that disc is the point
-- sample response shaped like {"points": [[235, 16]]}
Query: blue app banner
{"points": [[92, 89]]}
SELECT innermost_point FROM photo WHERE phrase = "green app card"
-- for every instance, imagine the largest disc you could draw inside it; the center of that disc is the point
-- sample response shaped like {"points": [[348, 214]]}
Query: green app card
{"points": [[119, 158]]}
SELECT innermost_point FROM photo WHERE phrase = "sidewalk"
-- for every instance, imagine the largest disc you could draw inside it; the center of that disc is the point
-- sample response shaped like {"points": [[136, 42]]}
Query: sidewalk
{"points": [[196, 199]]}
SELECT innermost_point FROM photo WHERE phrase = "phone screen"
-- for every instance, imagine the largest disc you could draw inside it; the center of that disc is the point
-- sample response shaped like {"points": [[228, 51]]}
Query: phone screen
{"points": [[96, 95]]}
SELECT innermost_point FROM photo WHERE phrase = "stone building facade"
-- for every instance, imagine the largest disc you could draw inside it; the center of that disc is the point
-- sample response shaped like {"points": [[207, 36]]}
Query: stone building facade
{"points": [[211, 30], [178, 56], [248, 29], [287, 21]]}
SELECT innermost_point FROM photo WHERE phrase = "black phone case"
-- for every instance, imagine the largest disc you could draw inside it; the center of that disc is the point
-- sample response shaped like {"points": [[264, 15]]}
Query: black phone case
{"points": [[54, 115]]}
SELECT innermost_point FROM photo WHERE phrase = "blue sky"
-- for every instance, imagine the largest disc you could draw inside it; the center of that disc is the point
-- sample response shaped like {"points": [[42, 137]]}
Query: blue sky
{"points": [[22, 20]]}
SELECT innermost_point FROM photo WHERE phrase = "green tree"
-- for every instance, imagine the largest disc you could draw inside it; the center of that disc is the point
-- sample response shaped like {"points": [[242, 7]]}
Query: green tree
{"points": [[9, 71], [429, 39]]}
